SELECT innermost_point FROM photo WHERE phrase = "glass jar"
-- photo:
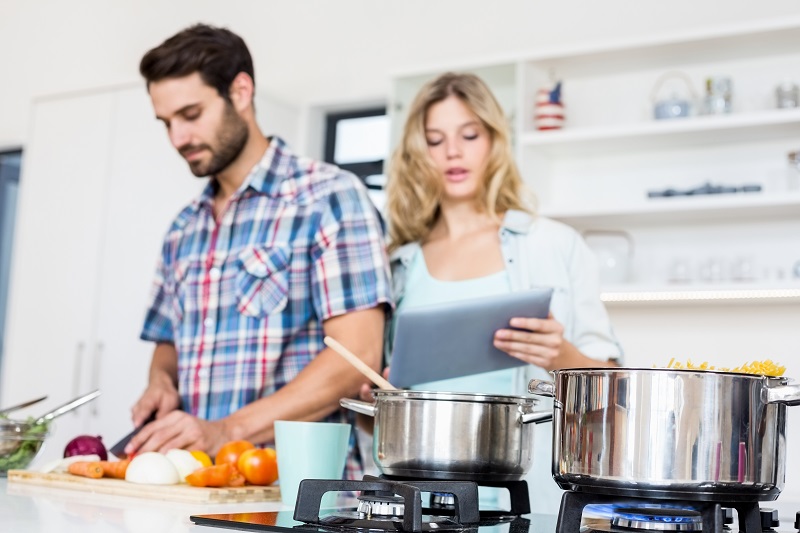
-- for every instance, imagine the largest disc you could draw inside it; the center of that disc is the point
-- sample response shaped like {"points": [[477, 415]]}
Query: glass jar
{"points": [[719, 92], [787, 95], [793, 171]]}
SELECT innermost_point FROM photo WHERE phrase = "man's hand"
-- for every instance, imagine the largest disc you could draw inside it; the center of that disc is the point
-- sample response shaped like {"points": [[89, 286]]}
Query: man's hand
{"points": [[180, 430], [160, 398], [161, 395]]}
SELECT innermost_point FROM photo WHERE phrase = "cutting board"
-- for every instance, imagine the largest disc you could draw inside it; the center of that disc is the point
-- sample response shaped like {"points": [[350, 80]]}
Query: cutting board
{"points": [[175, 493]]}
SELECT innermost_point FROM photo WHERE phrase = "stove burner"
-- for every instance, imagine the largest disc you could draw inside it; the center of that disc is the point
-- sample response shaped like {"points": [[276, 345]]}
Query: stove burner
{"points": [[657, 519], [443, 500], [377, 505], [609, 512]]}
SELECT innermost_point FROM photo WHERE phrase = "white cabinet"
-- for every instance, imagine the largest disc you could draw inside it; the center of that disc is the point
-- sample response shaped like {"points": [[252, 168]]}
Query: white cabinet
{"points": [[596, 173], [100, 184]]}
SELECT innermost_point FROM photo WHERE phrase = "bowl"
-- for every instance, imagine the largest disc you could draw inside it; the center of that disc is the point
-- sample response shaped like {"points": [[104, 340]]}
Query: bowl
{"points": [[19, 443]]}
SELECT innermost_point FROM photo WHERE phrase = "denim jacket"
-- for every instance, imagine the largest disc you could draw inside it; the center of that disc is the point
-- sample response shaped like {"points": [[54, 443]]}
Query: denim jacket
{"points": [[539, 252]]}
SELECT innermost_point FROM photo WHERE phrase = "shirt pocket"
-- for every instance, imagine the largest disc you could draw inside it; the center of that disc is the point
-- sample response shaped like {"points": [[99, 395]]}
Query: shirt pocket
{"points": [[179, 288], [262, 286]]}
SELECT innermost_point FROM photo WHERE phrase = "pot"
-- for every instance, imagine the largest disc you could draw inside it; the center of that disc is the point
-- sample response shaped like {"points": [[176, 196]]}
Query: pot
{"points": [[666, 433], [451, 436]]}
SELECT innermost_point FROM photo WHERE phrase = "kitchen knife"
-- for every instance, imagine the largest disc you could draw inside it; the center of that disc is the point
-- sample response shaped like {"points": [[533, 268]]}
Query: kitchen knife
{"points": [[119, 448]]}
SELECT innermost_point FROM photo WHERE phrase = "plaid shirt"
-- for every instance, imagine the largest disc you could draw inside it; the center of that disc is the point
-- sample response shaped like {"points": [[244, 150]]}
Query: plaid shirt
{"points": [[243, 300]]}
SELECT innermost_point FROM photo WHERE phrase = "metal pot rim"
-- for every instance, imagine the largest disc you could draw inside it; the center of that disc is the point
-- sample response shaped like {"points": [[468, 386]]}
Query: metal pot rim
{"points": [[618, 370], [401, 394]]}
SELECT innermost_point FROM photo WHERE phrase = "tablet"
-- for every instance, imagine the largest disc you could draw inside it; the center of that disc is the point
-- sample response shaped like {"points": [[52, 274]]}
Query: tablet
{"points": [[455, 339]]}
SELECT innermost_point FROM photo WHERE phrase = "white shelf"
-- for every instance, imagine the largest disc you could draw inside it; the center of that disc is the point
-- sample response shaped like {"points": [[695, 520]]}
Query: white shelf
{"points": [[665, 134], [709, 294], [685, 210]]}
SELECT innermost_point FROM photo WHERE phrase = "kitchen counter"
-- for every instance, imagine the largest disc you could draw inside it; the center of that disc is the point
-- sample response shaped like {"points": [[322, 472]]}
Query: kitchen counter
{"points": [[36, 509]]}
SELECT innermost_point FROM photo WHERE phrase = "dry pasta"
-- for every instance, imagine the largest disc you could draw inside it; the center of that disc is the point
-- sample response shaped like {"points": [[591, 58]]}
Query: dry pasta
{"points": [[765, 368]]}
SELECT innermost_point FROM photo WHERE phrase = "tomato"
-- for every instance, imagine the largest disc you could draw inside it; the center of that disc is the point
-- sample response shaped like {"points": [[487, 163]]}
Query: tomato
{"points": [[230, 451], [259, 466], [201, 456], [212, 476]]}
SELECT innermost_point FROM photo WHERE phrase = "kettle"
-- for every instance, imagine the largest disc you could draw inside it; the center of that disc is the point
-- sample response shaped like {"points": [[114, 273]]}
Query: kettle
{"points": [[675, 106]]}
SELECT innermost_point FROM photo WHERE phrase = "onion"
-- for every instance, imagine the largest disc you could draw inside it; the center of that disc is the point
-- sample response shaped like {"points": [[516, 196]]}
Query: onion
{"points": [[86, 445]]}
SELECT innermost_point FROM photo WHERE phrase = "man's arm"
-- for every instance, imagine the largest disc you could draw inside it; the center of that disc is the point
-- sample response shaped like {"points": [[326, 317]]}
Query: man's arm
{"points": [[311, 395]]}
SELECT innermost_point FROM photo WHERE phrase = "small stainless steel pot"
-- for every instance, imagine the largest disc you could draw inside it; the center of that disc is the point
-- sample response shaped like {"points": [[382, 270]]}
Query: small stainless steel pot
{"points": [[696, 435], [451, 436]]}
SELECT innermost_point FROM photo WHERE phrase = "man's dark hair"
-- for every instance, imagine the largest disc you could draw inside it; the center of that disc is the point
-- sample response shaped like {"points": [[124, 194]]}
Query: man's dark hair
{"points": [[217, 54]]}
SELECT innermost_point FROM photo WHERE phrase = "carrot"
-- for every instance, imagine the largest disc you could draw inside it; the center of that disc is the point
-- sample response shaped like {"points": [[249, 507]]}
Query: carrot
{"points": [[86, 469], [213, 476], [115, 469]]}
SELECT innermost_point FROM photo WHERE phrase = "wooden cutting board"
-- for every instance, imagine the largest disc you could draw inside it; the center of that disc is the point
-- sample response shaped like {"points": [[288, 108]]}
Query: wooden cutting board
{"points": [[175, 493]]}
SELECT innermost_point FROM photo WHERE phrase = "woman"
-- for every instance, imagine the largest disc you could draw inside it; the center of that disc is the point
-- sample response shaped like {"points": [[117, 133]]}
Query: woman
{"points": [[461, 225]]}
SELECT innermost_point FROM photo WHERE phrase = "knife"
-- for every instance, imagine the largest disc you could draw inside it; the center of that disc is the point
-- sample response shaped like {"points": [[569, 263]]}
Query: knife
{"points": [[119, 448]]}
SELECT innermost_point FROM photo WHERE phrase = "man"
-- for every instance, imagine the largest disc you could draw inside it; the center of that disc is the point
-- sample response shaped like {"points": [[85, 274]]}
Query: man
{"points": [[277, 252]]}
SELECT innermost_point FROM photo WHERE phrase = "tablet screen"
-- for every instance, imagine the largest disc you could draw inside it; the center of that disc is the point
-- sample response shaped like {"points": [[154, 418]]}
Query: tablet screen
{"points": [[455, 339]]}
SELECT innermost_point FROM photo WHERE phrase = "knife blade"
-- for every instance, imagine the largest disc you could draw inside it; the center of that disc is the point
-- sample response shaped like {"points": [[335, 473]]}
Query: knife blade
{"points": [[119, 448]]}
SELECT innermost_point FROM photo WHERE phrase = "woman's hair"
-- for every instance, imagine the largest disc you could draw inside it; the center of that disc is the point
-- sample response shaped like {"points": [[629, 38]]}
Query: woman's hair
{"points": [[414, 187], [218, 54]]}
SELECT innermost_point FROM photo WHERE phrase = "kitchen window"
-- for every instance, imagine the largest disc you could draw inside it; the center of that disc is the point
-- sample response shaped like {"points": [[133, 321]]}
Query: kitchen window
{"points": [[10, 161], [358, 141]]}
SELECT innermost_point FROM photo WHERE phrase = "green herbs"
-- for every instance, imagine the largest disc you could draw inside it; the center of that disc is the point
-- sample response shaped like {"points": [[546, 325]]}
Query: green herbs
{"points": [[18, 448]]}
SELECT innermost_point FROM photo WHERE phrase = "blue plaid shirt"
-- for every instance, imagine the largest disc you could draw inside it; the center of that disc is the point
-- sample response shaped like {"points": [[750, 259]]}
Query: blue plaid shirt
{"points": [[243, 299]]}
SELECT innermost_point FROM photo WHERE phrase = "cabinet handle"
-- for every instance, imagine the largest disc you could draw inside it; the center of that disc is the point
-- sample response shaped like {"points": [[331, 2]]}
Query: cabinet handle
{"points": [[76, 372], [95, 381]]}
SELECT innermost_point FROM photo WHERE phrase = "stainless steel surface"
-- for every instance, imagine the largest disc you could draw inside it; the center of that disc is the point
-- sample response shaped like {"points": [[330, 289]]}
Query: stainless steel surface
{"points": [[69, 406], [669, 433], [451, 436], [6, 410]]}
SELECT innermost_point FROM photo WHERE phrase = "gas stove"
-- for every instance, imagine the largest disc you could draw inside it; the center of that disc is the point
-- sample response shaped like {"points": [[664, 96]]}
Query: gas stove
{"points": [[391, 505]]}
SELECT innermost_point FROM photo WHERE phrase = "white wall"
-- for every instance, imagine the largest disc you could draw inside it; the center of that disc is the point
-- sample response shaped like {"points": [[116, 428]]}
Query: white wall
{"points": [[317, 53]]}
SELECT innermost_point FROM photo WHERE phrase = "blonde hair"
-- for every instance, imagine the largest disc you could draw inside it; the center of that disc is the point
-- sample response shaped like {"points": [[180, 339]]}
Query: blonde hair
{"points": [[414, 187]]}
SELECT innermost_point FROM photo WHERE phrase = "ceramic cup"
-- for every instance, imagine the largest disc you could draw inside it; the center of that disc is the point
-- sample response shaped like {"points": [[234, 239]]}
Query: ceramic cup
{"points": [[310, 450]]}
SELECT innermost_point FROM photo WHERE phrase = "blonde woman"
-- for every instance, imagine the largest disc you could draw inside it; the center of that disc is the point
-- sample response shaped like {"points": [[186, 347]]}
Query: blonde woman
{"points": [[462, 225]]}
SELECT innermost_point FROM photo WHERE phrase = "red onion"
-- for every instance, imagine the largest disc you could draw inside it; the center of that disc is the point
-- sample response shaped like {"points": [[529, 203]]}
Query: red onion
{"points": [[86, 445]]}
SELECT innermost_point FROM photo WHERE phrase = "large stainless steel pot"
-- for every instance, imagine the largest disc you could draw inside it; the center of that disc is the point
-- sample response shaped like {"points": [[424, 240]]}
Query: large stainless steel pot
{"points": [[696, 435], [451, 436]]}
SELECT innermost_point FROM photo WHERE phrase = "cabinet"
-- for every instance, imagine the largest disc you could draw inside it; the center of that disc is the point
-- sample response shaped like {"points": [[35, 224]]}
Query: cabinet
{"points": [[595, 173], [100, 184]]}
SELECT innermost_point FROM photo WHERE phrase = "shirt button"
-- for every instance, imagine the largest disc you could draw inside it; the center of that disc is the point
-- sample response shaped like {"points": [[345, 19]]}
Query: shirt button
{"points": [[215, 273], [208, 322]]}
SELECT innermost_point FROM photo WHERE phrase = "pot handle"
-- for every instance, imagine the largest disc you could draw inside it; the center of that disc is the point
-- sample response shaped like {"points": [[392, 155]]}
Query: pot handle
{"points": [[536, 417], [542, 388], [358, 406], [785, 394]]}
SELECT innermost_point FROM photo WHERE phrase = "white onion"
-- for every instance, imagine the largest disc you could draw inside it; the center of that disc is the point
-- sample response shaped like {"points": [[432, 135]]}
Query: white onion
{"points": [[184, 462], [152, 468]]}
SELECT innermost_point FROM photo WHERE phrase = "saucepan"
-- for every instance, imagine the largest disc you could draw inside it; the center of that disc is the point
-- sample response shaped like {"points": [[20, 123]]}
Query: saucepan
{"points": [[451, 436], [667, 433]]}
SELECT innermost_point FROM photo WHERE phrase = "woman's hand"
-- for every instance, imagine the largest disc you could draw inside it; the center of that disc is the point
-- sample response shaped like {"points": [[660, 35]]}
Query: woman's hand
{"points": [[537, 341]]}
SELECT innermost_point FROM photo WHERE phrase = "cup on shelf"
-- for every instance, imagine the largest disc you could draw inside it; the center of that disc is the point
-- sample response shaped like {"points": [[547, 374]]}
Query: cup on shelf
{"points": [[787, 95], [743, 268], [680, 271], [712, 270]]}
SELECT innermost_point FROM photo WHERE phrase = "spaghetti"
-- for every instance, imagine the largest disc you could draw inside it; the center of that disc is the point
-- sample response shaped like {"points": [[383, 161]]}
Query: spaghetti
{"points": [[765, 368]]}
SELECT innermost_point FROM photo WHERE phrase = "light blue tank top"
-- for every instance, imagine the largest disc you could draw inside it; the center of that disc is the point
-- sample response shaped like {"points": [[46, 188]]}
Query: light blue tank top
{"points": [[423, 289]]}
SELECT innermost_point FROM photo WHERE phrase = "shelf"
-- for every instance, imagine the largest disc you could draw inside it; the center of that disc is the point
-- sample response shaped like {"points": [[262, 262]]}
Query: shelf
{"points": [[664, 134], [720, 294], [686, 210]]}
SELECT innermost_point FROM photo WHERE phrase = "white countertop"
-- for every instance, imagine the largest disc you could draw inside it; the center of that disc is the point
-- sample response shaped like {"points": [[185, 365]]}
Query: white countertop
{"points": [[35, 509]]}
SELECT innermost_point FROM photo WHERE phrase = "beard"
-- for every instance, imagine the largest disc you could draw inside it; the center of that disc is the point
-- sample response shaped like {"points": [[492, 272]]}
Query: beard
{"points": [[230, 140]]}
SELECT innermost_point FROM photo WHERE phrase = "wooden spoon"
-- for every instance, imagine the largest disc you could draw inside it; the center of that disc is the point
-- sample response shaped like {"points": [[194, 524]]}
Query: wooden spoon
{"points": [[360, 365]]}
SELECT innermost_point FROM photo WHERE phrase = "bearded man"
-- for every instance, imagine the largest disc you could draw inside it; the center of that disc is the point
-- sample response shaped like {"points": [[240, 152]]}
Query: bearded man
{"points": [[276, 253]]}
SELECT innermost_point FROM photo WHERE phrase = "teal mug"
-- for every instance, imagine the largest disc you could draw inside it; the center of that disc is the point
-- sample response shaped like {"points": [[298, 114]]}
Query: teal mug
{"points": [[310, 450]]}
